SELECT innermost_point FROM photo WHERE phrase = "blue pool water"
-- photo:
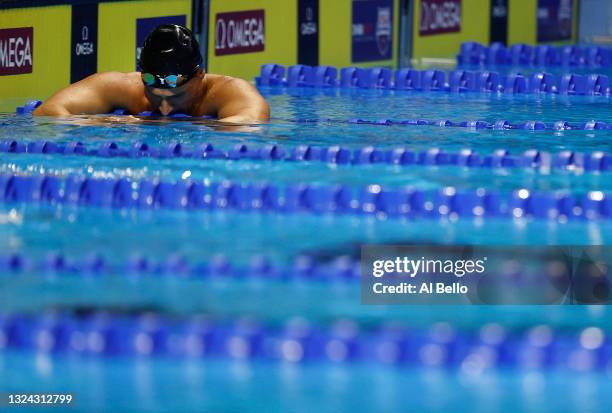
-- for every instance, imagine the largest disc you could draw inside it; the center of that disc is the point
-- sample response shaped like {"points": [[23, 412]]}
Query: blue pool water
{"points": [[161, 382]]}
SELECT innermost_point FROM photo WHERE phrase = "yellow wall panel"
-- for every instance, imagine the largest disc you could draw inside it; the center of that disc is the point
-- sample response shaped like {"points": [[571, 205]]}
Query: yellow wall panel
{"points": [[117, 29], [522, 21], [280, 37], [50, 52], [335, 32], [475, 26]]}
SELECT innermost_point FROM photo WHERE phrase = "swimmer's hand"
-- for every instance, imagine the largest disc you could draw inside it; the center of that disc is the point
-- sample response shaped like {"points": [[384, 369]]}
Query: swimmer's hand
{"points": [[121, 119]]}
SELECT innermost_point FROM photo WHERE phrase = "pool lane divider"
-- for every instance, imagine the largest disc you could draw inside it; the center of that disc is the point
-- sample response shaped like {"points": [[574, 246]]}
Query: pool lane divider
{"points": [[106, 334], [501, 158], [373, 200], [303, 267], [406, 79]]}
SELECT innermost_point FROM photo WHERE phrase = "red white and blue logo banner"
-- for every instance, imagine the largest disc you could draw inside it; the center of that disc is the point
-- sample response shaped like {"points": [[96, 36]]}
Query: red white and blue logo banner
{"points": [[554, 20], [372, 30]]}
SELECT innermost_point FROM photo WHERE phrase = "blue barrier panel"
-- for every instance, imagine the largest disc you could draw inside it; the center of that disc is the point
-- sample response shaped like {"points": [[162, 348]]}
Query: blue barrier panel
{"points": [[271, 75], [325, 76], [521, 54], [572, 84], [497, 54], [597, 85], [433, 80], [546, 56], [407, 79], [515, 83], [462, 81], [300, 75], [542, 83]]}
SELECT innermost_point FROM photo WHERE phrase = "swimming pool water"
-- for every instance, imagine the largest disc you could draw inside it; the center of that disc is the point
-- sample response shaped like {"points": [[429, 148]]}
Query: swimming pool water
{"points": [[35, 230]]}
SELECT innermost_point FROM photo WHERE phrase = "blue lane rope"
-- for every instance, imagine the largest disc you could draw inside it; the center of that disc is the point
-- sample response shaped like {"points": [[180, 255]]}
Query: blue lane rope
{"points": [[501, 158], [303, 267], [520, 54], [432, 80], [299, 341], [374, 200], [482, 124]]}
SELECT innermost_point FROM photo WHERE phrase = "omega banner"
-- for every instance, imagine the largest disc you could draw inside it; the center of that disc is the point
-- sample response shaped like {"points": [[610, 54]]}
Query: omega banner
{"points": [[308, 32], [240, 32], [440, 16], [84, 39], [16, 51]]}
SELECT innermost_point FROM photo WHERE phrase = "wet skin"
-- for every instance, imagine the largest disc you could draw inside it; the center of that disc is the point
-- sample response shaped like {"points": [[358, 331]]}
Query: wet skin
{"points": [[229, 99]]}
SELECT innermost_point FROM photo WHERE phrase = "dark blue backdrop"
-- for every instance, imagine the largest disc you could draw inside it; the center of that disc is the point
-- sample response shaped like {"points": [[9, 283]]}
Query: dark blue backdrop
{"points": [[554, 20]]}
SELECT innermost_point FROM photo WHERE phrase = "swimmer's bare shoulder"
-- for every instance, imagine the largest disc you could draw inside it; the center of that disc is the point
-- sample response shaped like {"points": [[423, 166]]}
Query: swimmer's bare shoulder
{"points": [[225, 96], [98, 93]]}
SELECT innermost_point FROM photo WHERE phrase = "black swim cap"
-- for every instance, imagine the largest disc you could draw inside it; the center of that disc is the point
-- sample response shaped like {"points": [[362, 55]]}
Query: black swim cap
{"points": [[170, 49]]}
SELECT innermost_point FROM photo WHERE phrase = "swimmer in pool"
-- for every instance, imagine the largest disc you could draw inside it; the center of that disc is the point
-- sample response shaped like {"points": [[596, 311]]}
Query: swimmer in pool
{"points": [[171, 80]]}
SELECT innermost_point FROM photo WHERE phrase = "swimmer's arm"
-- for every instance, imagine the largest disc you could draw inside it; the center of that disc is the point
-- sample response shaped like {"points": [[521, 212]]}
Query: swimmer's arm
{"points": [[98, 93], [237, 101]]}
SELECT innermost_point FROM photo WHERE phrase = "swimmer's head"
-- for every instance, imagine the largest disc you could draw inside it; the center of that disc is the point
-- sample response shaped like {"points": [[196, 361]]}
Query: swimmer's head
{"points": [[170, 56]]}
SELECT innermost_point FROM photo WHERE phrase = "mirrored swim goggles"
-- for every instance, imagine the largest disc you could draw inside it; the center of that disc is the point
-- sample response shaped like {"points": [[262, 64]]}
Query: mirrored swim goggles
{"points": [[166, 82]]}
